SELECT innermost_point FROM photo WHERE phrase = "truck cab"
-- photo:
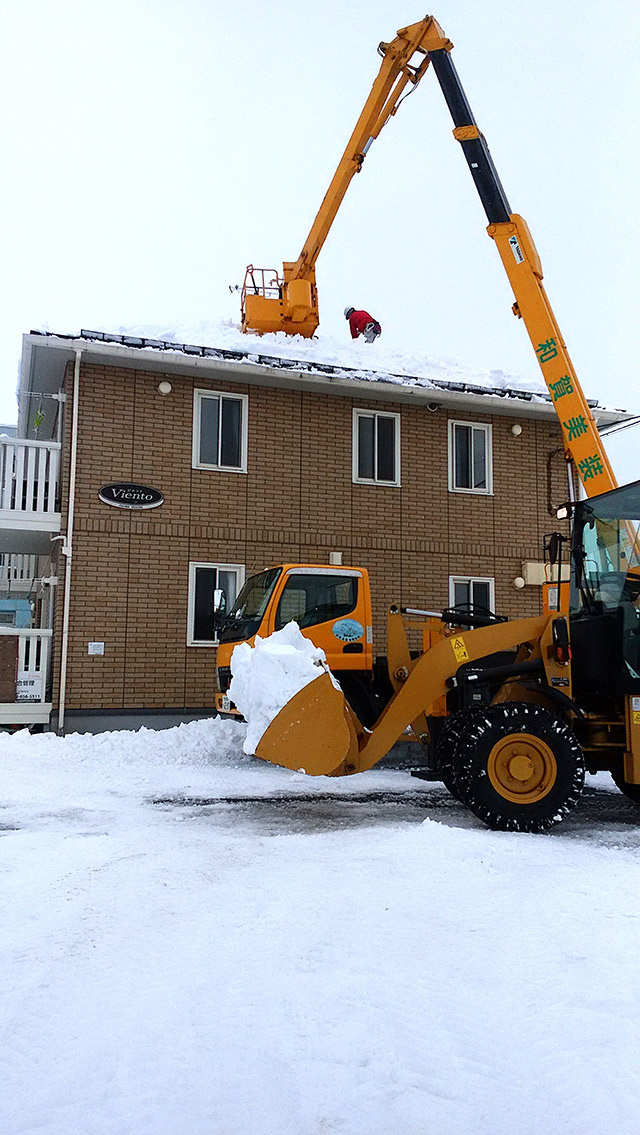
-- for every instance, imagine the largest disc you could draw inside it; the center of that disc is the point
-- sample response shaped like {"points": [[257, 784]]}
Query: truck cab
{"points": [[331, 604]]}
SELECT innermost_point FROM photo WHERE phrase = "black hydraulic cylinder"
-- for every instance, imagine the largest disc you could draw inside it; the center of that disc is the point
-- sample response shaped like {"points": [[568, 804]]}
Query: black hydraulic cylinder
{"points": [[492, 672], [468, 619], [476, 151]]}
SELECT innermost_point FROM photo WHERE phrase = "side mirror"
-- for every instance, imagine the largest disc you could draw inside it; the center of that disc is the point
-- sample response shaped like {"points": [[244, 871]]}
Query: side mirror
{"points": [[219, 608], [552, 548]]}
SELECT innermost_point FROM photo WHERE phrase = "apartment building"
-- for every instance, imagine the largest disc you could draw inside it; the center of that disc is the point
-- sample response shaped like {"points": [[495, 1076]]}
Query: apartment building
{"points": [[145, 474]]}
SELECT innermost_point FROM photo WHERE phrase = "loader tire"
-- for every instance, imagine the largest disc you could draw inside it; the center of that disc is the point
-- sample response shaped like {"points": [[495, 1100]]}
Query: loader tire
{"points": [[631, 791], [519, 767], [453, 729]]}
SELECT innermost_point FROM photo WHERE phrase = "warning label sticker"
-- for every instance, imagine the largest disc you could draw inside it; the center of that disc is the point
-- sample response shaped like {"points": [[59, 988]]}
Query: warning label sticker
{"points": [[459, 649]]}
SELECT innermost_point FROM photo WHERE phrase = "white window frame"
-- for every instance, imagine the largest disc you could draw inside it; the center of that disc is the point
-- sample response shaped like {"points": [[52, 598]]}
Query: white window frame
{"points": [[453, 579], [360, 413], [198, 396], [485, 428], [191, 600]]}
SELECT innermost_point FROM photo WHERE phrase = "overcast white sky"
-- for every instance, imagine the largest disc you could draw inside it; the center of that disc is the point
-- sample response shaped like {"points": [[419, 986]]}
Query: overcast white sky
{"points": [[153, 148]]}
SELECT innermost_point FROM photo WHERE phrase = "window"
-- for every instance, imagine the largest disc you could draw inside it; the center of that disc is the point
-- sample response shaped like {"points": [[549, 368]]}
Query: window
{"points": [[315, 597], [376, 448], [203, 581], [470, 464], [467, 593], [220, 431]]}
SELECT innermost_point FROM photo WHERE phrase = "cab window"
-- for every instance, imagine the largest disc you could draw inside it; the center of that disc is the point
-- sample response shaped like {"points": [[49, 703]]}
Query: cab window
{"points": [[313, 599]]}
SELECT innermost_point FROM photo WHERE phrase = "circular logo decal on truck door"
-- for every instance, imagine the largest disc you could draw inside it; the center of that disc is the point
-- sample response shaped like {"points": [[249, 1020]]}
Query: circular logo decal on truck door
{"points": [[348, 630]]}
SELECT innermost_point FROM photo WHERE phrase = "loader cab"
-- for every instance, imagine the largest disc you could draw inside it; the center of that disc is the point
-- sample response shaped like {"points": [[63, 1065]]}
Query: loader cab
{"points": [[605, 591]]}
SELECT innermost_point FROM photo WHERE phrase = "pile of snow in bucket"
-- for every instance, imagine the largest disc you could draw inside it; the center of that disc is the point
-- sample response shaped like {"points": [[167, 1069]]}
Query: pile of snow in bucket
{"points": [[267, 675]]}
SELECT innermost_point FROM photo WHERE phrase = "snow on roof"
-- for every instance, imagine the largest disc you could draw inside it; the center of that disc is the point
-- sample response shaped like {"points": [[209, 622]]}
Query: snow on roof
{"points": [[322, 355], [375, 361]]}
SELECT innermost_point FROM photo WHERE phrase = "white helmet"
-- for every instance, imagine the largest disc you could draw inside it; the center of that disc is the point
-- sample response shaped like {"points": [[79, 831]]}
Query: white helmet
{"points": [[348, 311]]}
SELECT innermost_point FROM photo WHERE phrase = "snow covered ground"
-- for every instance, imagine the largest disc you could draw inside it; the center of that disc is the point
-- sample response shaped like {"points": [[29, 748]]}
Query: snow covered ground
{"points": [[302, 956]]}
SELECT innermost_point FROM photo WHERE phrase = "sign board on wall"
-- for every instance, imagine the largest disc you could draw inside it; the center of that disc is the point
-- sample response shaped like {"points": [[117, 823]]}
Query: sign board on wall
{"points": [[124, 494], [28, 686]]}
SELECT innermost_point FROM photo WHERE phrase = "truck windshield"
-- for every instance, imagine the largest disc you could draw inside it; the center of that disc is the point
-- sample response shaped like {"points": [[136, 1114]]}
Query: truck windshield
{"points": [[243, 621]]}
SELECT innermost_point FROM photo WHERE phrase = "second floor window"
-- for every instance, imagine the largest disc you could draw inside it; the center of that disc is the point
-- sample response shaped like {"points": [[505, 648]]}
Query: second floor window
{"points": [[376, 448], [470, 458], [220, 431]]}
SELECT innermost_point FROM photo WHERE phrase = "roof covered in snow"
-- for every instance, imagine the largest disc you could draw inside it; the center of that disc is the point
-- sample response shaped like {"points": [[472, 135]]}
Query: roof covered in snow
{"points": [[282, 360]]}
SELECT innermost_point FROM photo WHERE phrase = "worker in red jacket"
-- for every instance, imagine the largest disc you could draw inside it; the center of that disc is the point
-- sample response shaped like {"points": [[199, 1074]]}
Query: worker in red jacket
{"points": [[361, 323]]}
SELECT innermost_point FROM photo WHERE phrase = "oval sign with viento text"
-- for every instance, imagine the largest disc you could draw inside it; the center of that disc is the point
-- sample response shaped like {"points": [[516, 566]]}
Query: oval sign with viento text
{"points": [[125, 495]]}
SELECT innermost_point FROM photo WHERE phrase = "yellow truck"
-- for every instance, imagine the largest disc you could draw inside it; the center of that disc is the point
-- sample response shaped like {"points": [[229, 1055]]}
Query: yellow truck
{"points": [[332, 607]]}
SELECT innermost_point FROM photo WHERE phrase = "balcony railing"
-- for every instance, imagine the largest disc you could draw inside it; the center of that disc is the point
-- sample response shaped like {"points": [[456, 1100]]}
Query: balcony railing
{"points": [[29, 495], [24, 676], [29, 476], [17, 573]]}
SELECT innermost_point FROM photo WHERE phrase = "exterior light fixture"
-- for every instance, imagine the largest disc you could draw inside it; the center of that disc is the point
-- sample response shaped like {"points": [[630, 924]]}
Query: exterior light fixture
{"points": [[516, 430], [518, 583], [165, 387]]}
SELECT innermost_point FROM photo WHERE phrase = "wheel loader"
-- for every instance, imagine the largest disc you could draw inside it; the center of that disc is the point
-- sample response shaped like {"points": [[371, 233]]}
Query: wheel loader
{"points": [[530, 703]]}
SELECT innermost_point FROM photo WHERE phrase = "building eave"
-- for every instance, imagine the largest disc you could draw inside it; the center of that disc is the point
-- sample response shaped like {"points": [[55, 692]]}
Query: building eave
{"points": [[45, 357]]}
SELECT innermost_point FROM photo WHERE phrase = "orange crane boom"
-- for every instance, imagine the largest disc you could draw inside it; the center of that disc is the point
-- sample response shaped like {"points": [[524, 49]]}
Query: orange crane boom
{"points": [[289, 302]]}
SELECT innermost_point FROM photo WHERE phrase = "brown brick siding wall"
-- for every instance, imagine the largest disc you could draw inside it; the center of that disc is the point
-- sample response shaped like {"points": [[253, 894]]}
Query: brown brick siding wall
{"points": [[297, 502]]}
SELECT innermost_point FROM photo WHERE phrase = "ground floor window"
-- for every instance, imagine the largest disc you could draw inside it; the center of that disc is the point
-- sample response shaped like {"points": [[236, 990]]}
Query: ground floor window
{"points": [[204, 578], [471, 593]]}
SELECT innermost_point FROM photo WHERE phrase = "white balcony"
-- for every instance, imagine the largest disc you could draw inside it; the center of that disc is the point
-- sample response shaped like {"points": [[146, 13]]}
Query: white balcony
{"points": [[17, 574], [24, 674], [29, 495]]}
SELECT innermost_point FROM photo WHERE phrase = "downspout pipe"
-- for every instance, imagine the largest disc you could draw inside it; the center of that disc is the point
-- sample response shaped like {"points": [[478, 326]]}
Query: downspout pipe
{"points": [[67, 546]]}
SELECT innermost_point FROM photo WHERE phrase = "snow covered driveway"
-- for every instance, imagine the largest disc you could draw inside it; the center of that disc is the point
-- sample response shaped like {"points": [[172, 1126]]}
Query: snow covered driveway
{"points": [[304, 956]]}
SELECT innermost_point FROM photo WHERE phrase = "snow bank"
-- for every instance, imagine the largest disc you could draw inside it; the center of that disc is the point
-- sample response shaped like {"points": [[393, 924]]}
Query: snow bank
{"points": [[195, 756], [267, 675], [210, 741]]}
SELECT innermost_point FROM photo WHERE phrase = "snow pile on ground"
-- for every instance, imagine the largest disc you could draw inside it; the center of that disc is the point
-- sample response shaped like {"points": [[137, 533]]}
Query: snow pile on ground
{"points": [[375, 362], [290, 959], [195, 754], [267, 675]]}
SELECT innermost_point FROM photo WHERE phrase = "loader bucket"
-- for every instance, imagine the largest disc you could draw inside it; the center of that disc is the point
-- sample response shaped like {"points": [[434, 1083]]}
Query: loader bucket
{"points": [[315, 732]]}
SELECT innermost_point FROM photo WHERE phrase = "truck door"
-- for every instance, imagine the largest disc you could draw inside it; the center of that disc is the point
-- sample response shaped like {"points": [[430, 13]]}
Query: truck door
{"points": [[332, 608]]}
